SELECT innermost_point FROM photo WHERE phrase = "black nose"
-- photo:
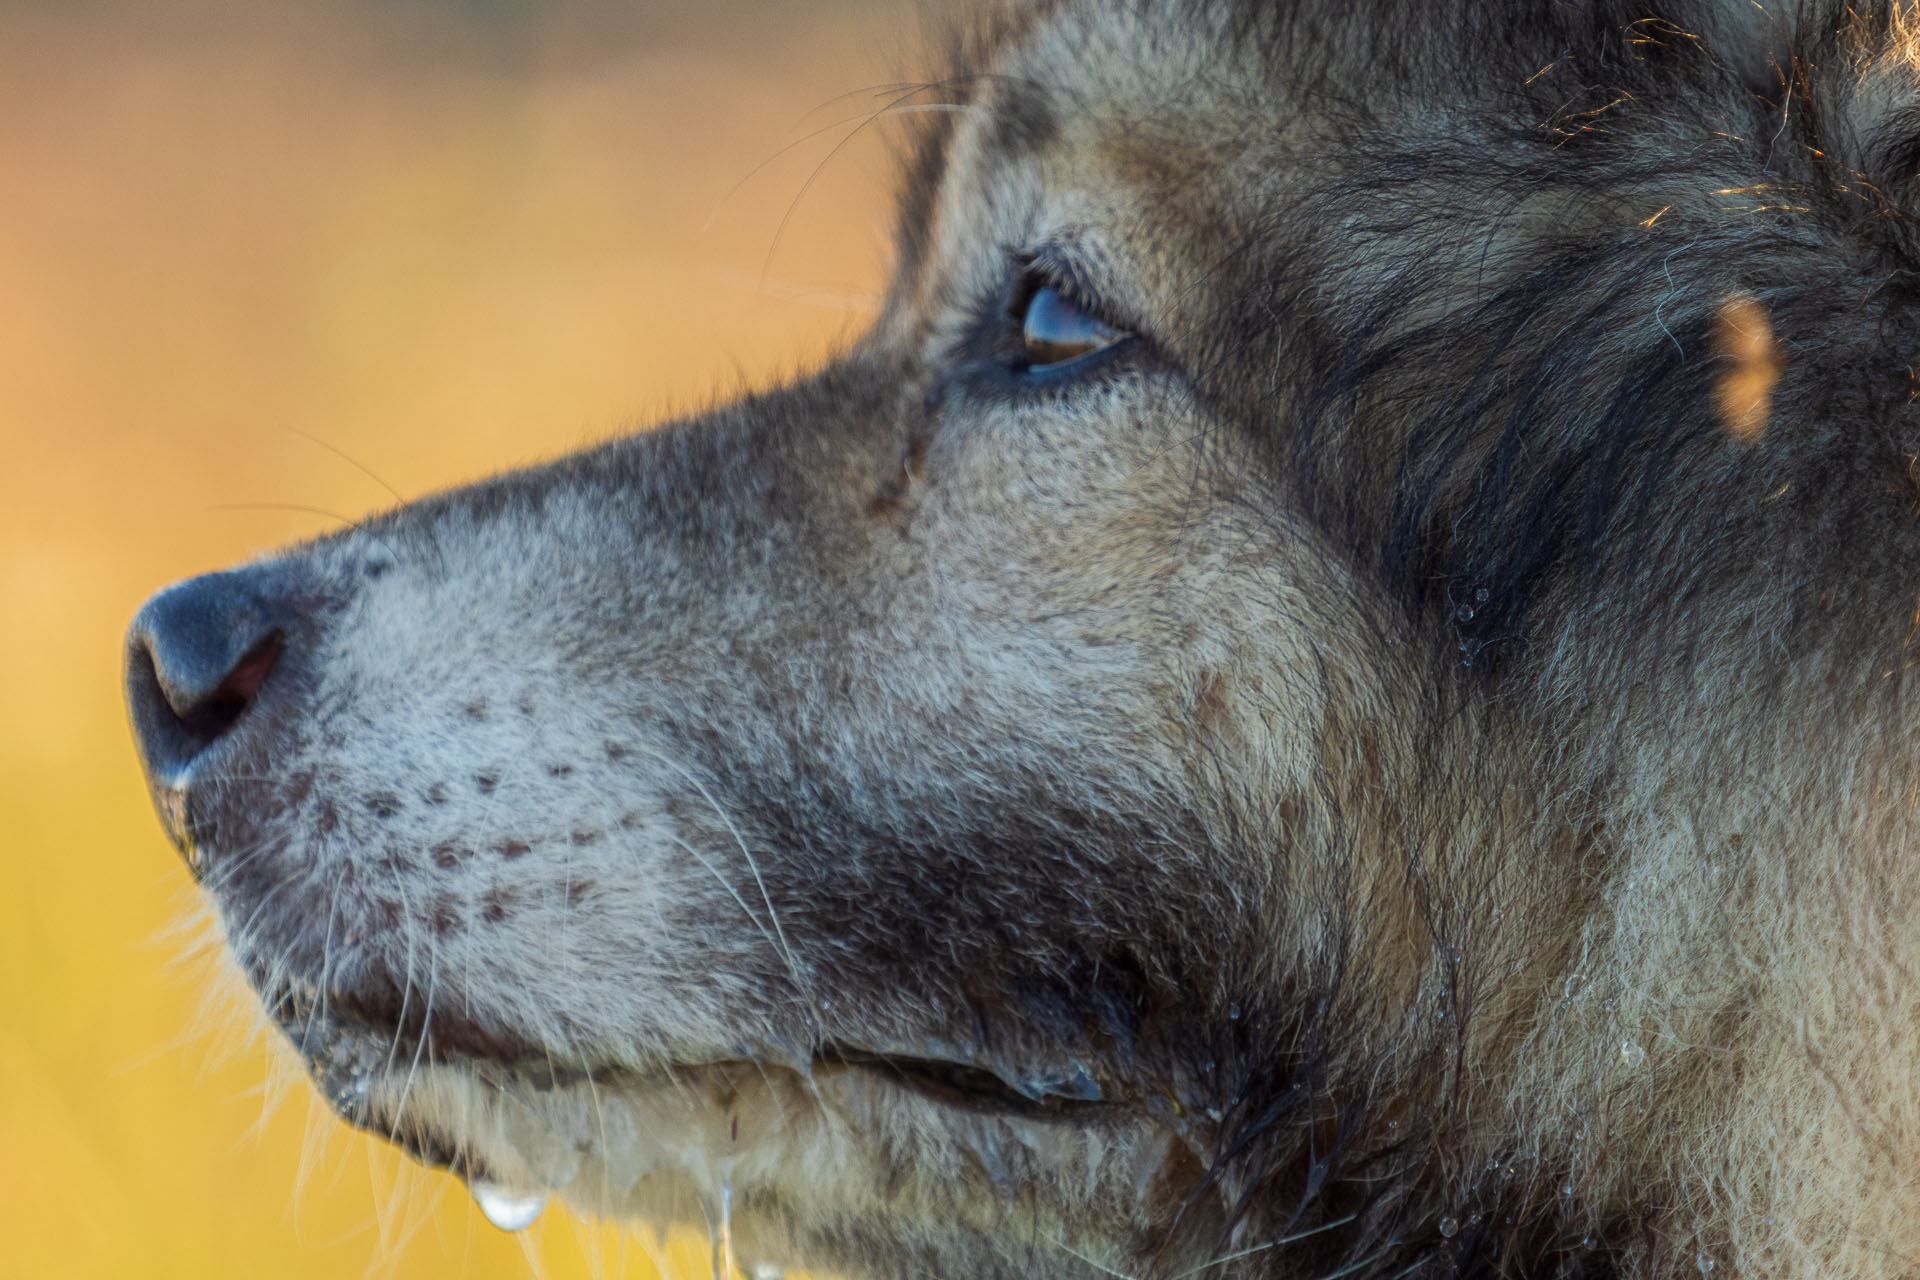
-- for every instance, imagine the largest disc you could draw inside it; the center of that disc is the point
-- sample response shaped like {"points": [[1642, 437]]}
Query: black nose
{"points": [[197, 656]]}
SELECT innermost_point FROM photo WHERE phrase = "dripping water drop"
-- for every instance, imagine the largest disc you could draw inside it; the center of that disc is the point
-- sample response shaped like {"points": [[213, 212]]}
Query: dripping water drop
{"points": [[723, 1265], [509, 1210]]}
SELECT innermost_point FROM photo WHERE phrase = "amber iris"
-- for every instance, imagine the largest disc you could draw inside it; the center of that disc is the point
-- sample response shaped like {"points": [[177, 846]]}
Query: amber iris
{"points": [[1056, 330]]}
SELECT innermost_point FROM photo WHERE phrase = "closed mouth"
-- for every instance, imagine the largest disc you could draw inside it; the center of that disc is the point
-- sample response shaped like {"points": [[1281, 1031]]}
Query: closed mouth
{"points": [[351, 1045], [980, 1088]]}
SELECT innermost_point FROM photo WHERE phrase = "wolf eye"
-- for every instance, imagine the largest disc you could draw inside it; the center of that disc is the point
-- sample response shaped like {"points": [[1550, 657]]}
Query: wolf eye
{"points": [[1055, 330]]}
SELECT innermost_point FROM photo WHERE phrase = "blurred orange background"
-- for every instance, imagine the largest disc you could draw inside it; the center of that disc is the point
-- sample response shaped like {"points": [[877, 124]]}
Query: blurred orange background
{"points": [[254, 254]]}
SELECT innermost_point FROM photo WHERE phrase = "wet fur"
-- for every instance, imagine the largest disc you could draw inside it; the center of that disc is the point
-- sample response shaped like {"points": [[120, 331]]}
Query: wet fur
{"points": [[1451, 789]]}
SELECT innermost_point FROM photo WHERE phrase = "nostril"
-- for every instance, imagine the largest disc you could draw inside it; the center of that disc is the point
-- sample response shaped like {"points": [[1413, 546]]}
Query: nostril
{"points": [[198, 656], [216, 712]]}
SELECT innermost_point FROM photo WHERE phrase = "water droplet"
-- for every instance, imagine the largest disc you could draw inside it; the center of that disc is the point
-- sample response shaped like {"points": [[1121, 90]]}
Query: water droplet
{"points": [[1449, 1228], [1567, 1190], [1572, 986], [722, 1225], [1233, 1013], [1464, 613], [1632, 1054], [1482, 595], [509, 1210], [1703, 1262], [768, 1271]]}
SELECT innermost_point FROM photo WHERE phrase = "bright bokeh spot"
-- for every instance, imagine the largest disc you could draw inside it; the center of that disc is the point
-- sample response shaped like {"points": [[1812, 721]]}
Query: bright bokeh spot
{"points": [[253, 254]]}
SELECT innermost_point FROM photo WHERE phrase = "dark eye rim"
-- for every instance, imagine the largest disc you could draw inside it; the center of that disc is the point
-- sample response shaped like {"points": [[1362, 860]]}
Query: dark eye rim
{"points": [[988, 357], [1035, 273], [1098, 335]]}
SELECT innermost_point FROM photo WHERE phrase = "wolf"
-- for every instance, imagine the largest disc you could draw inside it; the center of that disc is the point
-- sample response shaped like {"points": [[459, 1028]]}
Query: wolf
{"points": [[1327, 693]]}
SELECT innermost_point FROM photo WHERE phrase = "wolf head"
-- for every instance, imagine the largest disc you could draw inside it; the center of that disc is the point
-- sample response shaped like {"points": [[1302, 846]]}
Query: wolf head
{"points": [[1324, 694]]}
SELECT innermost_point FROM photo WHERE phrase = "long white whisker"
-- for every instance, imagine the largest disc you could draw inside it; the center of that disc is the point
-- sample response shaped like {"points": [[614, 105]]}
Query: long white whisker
{"points": [[420, 1048], [1262, 1248], [773, 914]]}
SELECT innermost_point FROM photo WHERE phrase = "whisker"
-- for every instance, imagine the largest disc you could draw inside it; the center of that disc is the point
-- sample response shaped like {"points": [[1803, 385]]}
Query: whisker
{"points": [[420, 1048], [889, 108], [1095, 1263], [1262, 1248], [345, 457], [773, 914], [319, 1010], [355, 523], [861, 119]]}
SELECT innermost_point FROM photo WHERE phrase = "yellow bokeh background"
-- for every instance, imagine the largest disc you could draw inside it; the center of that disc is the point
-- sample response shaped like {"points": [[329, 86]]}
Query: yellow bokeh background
{"points": [[264, 264]]}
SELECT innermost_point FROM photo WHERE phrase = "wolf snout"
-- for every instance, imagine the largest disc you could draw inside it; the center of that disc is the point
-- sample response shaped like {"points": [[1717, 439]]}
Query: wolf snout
{"points": [[198, 654]]}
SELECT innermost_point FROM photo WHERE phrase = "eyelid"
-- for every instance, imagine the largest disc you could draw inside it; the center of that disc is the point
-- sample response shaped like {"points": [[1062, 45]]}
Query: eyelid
{"points": [[1060, 271], [1050, 265]]}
